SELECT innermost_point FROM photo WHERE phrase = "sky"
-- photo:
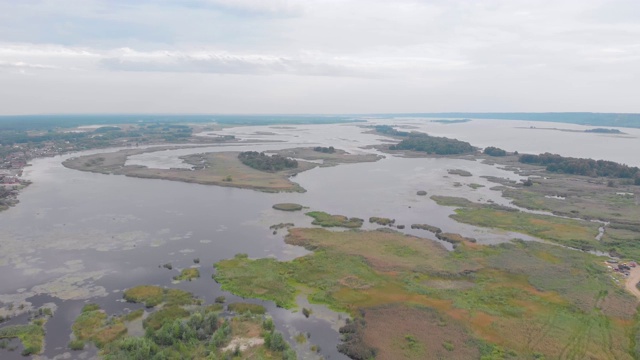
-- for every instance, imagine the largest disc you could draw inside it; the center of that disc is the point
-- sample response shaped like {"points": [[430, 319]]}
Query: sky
{"points": [[318, 56]]}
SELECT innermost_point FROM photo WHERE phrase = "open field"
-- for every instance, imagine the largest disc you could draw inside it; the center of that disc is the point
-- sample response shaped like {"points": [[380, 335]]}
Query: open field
{"points": [[524, 299]]}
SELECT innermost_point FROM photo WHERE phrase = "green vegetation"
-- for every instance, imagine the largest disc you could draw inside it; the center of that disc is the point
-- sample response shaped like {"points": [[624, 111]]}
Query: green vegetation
{"points": [[382, 221], [433, 229], [182, 332], [422, 142], [271, 285], [151, 295], [214, 168], [459, 172], [242, 308], [306, 312], [277, 227], [76, 345], [31, 336], [494, 151], [93, 325], [288, 207], [264, 162], [475, 186], [135, 314], [586, 167], [327, 220], [569, 232], [326, 150], [527, 298], [187, 274]]}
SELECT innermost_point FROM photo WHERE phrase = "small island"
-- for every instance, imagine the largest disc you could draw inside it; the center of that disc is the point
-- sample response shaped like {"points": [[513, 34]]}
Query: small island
{"points": [[287, 207]]}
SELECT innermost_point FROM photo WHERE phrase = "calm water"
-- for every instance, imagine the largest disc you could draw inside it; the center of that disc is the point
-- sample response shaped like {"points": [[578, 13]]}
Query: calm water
{"points": [[77, 237]]}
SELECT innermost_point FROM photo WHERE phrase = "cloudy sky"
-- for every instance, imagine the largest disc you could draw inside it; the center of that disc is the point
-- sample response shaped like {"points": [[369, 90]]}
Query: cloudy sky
{"points": [[318, 56]]}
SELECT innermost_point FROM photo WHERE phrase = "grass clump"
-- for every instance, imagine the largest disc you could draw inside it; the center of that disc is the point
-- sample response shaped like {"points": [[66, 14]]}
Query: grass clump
{"points": [[93, 325], [382, 221], [151, 295], [169, 313], [459, 172], [240, 276], [242, 308], [187, 274], [327, 220], [288, 207], [133, 315], [31, 336], [76, 345]]}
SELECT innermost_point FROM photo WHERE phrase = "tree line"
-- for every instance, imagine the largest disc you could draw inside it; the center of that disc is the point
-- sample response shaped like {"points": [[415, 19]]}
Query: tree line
{"points": [[422, 142], [586, 167], [264, 162]]}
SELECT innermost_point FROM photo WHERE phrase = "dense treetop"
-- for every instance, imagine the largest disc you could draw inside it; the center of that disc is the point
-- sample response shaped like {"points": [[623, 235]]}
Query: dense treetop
{"points": [[587, 167], [426, 143], [264, 162]]}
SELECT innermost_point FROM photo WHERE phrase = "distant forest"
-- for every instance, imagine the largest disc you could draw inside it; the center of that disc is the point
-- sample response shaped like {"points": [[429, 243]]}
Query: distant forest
{"points": [[426, 143], [581, 118], [51, 122], [586, 167], [264, 162]]}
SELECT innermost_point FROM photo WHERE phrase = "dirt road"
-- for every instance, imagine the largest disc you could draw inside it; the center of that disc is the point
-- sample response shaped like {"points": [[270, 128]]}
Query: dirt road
{"points": [[632, 280]]}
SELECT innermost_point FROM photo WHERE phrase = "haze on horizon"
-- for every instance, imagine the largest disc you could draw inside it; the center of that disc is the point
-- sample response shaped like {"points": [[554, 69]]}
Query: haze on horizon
{"points": [[318, 56]]}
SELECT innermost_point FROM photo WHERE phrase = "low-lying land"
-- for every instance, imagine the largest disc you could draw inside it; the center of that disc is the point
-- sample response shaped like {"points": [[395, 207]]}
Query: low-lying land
{"points": [[217, 168], [31, 335], [288, 207], [524, 300], [327, 220], [328, 158]]}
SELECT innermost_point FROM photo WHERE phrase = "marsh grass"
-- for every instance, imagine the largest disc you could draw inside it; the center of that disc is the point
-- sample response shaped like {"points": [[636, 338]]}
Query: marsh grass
{"points": [[187, 274], [327, 220], [529, 297]]}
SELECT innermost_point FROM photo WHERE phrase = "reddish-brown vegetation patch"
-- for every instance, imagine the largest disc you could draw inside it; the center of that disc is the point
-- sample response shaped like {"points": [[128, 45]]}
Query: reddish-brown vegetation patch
{"points": [[401, 331]]}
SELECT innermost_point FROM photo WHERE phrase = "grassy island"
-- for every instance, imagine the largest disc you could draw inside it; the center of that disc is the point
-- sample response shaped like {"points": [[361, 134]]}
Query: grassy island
{"points": [[288, 207], [231, 169], [327, 220]]}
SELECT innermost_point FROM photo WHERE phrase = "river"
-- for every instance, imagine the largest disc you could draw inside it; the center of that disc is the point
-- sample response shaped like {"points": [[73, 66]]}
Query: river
{"points": [[78, 237]]}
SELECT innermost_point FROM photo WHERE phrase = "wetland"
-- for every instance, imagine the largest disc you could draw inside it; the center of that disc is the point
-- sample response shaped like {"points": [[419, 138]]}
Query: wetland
{"points": [[495, 269]]}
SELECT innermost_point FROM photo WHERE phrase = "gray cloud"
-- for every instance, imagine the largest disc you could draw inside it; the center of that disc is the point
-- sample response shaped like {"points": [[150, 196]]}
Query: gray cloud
{"points": [[346, 55]]}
